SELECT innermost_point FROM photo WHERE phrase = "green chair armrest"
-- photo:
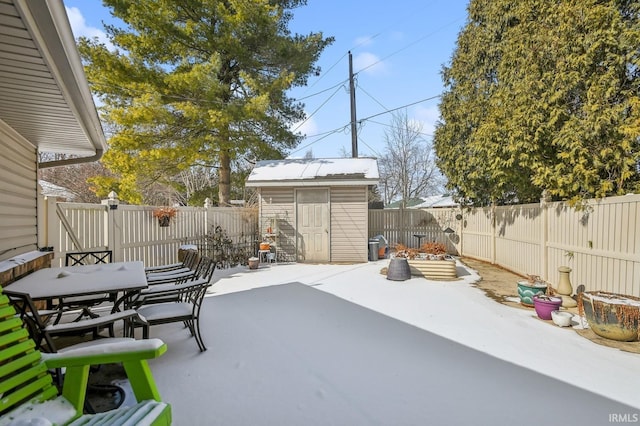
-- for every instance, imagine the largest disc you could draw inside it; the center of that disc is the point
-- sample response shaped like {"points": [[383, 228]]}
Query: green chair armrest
{"points": [[106, 351], [133, 355]]}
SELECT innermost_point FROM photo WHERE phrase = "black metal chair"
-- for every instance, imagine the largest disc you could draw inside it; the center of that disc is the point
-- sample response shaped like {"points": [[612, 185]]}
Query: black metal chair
{"points": [[184, 307], [85, 303]]}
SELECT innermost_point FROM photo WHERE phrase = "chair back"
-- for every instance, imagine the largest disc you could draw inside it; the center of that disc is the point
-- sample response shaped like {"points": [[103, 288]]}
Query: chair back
{"points": [[191, 259], [22, 374], [207, 269], [88, 257]]}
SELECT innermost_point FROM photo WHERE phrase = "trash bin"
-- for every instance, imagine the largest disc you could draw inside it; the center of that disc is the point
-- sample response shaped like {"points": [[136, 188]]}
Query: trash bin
{"points": [[374, 244], [383, 246]]}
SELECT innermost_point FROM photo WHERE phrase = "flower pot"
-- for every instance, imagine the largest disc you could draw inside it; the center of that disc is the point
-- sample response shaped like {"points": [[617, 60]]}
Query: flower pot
{"points": [[253, 262], [561, 318], [164, 221], [527, 289], [544, 305], [610, 315], [265, 246], [398, 269]]}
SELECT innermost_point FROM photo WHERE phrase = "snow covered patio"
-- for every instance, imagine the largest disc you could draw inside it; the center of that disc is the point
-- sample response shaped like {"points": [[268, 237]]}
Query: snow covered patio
{"points": [[283, 349]]}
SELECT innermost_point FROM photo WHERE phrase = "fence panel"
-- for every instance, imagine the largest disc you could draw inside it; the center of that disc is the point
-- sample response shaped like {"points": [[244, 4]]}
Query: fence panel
{"points": [[402, 226], [601, 243], [518, 239], [134, 234], [477, 234]]}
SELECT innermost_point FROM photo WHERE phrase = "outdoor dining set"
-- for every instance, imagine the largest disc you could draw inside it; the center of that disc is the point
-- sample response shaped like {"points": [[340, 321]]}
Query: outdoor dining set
{"points": [[63, 311], [91, 294]]}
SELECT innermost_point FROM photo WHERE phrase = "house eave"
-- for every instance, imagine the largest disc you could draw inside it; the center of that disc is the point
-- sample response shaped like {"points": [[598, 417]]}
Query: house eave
{"points": [[44, 95]]}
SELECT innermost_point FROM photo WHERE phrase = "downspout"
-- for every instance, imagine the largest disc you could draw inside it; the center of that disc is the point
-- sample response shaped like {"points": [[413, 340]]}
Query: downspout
{"points": [[70, 161]]}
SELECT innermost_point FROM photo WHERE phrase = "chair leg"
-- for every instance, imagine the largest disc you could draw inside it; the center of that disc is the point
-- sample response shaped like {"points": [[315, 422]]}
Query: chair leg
{"points": [[198, 337]]}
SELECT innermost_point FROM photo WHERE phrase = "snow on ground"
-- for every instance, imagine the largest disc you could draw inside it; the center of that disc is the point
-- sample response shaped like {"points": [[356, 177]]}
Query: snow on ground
{"points": [[455, 310]]}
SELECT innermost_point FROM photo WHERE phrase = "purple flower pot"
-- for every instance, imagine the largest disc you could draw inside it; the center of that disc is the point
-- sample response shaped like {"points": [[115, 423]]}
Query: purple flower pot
{"points": [[545, 304]]}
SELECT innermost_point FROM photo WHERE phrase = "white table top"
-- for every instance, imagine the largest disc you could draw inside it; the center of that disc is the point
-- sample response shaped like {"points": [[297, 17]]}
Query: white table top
{"points": [[80, 280]]}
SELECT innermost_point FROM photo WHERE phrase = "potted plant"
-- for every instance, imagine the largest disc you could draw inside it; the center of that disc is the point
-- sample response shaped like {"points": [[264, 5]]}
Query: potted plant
{"points": [[611, 315], [430, 260], [164, 215], [544, 305], [532, 286]]}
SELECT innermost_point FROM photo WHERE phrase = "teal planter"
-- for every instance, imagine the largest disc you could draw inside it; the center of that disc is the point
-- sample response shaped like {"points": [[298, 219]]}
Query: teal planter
{"points": [[527, 289]]}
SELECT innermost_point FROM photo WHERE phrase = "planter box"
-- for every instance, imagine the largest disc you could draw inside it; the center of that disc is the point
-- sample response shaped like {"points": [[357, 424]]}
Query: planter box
{"points": [[437, 269]]}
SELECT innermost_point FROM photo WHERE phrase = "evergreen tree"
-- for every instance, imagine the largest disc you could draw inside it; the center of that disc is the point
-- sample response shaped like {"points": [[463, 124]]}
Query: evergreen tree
{"points": [[197, 83], [543, 95]]}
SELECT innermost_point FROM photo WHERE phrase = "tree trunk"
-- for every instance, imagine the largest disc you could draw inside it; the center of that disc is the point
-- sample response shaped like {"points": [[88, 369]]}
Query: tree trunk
{"points": [[224, 175]]}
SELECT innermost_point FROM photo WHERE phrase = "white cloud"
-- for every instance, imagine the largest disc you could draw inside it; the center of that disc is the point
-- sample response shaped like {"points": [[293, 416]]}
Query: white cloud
{"points": [[308, 128], [81, 29], [428, 116], [363, 41], [369, 63]]}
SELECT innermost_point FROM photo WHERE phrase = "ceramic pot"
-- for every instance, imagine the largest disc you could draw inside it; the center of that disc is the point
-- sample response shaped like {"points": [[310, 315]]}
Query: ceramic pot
{"points": [[544, 305], [561, 318], [610, 315], [526, 291], [253, 262], [398, 269]]}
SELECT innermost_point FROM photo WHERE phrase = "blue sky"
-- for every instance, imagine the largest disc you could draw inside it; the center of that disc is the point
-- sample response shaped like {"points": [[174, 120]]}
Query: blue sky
{"points": [[398, 51]]}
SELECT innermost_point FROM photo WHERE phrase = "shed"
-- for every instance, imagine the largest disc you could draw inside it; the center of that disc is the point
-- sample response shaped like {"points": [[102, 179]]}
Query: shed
{"points": [[315, 210]]}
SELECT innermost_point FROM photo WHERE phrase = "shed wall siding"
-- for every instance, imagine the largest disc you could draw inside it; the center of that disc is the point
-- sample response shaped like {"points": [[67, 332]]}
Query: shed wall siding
{"points": [[349, 224], [19, 194], [277, 204]]}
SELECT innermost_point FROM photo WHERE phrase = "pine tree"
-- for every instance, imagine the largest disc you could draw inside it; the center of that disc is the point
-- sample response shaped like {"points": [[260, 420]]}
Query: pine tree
{"points": [[197, 83]]}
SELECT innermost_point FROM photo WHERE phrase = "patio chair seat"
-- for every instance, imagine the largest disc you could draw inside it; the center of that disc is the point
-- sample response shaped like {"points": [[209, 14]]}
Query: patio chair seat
{"points": [[171, 311]]}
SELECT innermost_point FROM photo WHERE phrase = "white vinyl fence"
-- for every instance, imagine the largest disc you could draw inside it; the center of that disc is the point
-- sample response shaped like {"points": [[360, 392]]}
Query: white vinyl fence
{"points": [[600, 242], [132, 233]]}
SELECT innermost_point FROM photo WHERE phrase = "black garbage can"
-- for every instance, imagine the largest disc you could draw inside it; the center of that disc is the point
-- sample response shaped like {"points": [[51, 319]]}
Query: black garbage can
{"points": [[374, 245]]}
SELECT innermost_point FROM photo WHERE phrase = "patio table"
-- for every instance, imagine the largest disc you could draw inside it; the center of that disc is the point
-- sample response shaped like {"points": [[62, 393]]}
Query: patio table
{"points": [[81, 280]]}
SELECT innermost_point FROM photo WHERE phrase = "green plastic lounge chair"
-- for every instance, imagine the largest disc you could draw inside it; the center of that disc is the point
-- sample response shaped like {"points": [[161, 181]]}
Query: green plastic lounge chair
{"points": [[28, 394]]}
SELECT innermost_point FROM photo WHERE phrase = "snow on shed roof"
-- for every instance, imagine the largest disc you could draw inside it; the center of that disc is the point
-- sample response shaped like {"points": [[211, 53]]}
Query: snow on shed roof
{"points": [[315, 172]]}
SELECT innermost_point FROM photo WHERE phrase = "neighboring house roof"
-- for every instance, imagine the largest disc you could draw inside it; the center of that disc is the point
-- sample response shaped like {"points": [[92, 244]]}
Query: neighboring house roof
{"points": [[436, 201], [51, 190], [315, 172], [433, 201], [44, 95]]}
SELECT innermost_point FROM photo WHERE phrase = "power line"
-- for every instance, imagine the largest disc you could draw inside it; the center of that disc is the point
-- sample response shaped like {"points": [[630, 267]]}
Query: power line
{"points": [[317, 109], [410, 45], [400, 107]]}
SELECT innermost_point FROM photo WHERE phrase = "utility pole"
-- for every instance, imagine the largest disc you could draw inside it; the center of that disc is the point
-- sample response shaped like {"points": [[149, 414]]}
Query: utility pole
{"points": [[352, 96]]}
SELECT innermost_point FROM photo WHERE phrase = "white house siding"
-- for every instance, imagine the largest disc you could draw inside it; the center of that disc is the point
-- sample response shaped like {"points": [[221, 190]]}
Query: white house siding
{"points": [[19, 194], [349, 224], [277, 204]]}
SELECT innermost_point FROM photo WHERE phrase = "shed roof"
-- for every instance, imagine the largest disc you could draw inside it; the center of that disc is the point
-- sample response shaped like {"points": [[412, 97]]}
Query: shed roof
{"points": [[315, 172]]}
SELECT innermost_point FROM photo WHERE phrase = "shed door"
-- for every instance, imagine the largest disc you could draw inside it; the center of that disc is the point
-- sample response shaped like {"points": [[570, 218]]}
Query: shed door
{"points": [[313, 225]]}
